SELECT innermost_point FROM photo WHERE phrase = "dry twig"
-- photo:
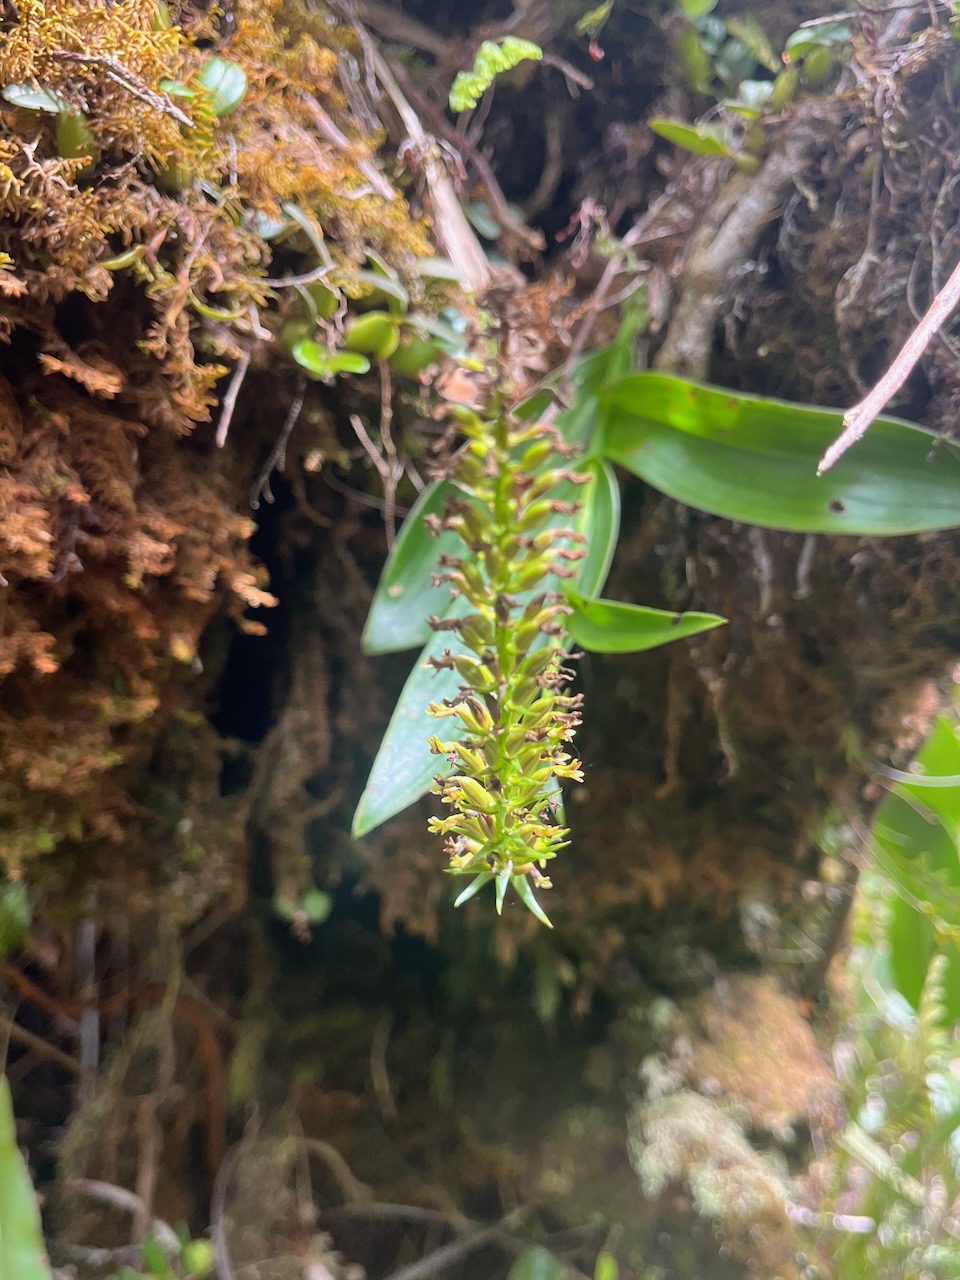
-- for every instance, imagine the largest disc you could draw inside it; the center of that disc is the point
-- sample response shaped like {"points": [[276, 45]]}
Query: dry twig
{"points": [[39, 1046], [126, 1201], [728, 238], [230, 398], [857, 420], [334, 134], [278, 454], [119, 74], [454, 232]]}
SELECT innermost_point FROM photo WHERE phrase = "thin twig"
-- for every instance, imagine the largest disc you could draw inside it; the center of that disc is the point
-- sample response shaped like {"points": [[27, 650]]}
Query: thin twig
{"points": [[347, 1180], [570, 73], [378, 1068], [230, 399], [530, 237], [278, 454], [858, 419], [119, 74], [635, 236], [288, 282], [334, 134], [390, 473], [39, 1046], [218, 1213], [126, 1201], [86, 949], [450, 1253], [454, 232], [400, 29]]}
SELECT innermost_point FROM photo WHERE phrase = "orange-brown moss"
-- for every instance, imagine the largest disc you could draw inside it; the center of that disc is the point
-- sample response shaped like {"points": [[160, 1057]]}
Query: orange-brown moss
{"points": [[131, 278]]}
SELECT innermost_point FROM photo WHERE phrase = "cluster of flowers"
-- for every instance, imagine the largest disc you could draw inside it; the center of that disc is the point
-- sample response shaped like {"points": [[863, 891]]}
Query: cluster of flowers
{"points": [[514, 716]]}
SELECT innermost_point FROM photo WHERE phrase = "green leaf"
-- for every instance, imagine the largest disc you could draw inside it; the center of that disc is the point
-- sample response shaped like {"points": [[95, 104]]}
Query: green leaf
{"points": [[404, 767], [696, 62], [752, 97], [33, 98], [754, 459], [473, 888], [919, 858], [697, 8], [607, 626], [347, 362], [825, 35], [437, 269], [481, 218], [373, 282], [405, 596], [22, 1255], [74, 139], [606, 1266], [537, 1264], [526, 895], [14, 915], [226, 83], [592, 21], [750, 33], [933, 781], [599, 521], [702, 139], [323, 364]]}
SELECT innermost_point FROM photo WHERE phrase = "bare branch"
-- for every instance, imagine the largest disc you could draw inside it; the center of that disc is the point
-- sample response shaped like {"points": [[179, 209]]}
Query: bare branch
{"points": [[230, 399], [126, 1201], [278, 454], [119, 74], [858, 419]]}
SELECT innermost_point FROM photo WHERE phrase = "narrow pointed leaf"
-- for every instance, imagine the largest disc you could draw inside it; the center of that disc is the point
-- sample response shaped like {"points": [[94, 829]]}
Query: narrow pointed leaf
{"points": [[607, 626], [405, 767], [918, 856], [599, 521], [527, 897], [755, 459], [473, 888], [34, 98], [406, 597], [702, 140], [503, 879], [22, 1255], [934, 781]]}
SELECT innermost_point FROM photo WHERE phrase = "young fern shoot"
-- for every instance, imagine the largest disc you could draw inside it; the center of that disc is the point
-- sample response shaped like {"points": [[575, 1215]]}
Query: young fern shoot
{"points": [[516, 718]]}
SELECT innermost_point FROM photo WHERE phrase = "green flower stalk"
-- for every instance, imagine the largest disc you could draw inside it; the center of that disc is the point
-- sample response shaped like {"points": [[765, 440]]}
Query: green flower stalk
{"points": [[515, 716]]}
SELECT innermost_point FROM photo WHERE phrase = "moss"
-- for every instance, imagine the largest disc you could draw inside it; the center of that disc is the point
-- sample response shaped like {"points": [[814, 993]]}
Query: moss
{"points": [[131, 280], [685, 1140]]}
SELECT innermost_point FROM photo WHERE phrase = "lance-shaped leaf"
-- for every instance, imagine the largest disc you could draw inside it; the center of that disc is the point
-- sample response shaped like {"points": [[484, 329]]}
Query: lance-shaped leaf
{"points": [[405, 767], [22, 1255], [607, 626], [754, 459], [406, 597]]}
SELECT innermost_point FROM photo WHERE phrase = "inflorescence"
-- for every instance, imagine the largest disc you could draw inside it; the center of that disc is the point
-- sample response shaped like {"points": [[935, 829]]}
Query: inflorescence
{"points": [[516, 719]]}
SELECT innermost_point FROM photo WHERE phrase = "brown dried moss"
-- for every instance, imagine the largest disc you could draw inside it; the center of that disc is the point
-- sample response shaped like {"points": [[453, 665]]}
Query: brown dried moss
{"points": [[130, 280]]}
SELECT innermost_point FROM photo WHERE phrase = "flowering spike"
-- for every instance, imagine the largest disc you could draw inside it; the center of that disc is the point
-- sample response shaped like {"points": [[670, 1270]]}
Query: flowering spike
{"points": [[515, 717]]}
